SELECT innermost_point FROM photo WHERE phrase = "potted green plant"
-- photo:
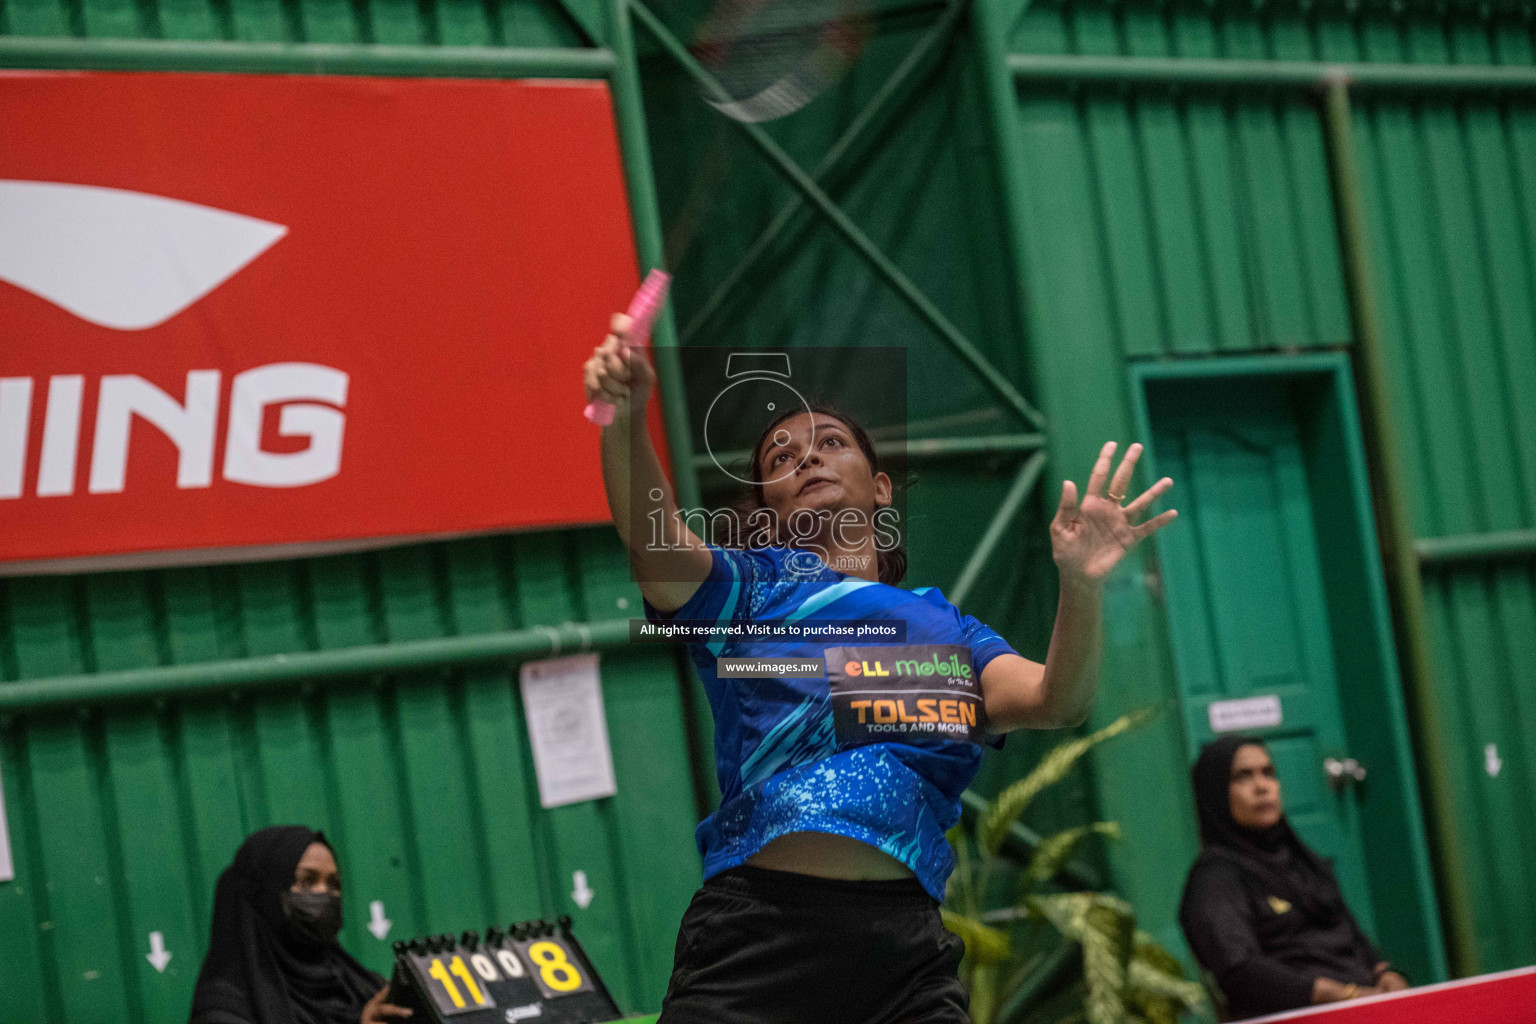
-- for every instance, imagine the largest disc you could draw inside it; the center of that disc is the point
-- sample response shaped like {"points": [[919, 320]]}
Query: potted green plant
{"points": [[1023, 927]]}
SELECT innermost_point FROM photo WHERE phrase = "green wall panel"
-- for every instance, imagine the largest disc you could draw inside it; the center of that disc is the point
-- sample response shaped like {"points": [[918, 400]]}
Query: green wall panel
{"points": [[1075, 332], [122, 816], [524, 23], [1449, 192], [1211, 214], [1162, 223]]}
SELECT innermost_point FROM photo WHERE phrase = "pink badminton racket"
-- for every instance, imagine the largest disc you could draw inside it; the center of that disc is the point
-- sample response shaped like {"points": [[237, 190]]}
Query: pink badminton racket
{"points": [[642, 314]]}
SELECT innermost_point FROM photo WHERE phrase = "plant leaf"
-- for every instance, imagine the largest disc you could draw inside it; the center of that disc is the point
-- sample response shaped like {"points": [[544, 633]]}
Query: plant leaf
{"points": [[984, 993], [993, 827], [1068, 911], [1158, 988], [1107, 939], [958, 890], [983, 944], [1143, 975], [1152, 951], [1056, 850], [1153, 1009]]}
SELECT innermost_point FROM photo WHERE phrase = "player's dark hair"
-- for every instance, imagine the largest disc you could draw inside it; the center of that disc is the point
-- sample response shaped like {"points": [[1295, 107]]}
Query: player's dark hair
{"points": [[891, 565]]}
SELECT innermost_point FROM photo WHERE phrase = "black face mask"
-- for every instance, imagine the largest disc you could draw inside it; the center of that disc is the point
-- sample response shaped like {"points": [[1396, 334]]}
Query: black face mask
{"points": [[317, 915]]}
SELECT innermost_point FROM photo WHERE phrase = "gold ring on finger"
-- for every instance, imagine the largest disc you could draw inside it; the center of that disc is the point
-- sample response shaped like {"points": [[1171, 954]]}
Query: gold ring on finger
{"points": [[1117, 498]]}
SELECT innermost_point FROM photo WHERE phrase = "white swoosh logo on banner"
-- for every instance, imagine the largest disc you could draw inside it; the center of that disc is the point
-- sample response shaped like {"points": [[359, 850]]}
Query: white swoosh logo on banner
{"points": [[127, 260]]}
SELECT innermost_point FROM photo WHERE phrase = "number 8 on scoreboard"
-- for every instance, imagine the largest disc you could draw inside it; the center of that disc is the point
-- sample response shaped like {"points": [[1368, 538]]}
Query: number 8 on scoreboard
{"points": [[554, 969]]}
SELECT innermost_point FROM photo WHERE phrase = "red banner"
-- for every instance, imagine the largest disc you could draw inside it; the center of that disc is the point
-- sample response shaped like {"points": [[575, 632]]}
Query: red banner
{"points": [[244, 311], [1506, 998]]}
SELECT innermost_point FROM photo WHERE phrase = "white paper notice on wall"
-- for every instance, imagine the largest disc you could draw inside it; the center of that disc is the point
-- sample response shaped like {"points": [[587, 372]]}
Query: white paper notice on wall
{"points": [[563, 698], [7, 866], [1245, 713]]}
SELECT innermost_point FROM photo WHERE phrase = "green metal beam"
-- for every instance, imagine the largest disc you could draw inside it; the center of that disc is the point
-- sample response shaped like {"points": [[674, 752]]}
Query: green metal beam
{"points": [[1395, 526], [920, 448], [271, 670], [840, 221], [937, 447], [1187, 71], [1475, 547], [629, 108], [993, 23], [1002, 519], [875, 115], [302, 58]]}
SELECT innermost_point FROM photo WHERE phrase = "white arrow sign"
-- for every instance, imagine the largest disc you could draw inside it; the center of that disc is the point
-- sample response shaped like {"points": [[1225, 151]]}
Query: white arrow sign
{"points": [[377, 922], [157, 955], [581, 894]]}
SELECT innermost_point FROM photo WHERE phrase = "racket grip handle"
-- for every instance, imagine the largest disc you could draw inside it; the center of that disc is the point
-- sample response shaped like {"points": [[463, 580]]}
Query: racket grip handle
{"points": [[642, 314], [646, 304]]}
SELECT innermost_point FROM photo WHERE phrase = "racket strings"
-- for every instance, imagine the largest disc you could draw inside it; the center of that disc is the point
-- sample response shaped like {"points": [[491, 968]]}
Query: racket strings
{"points": [[770, 58]]}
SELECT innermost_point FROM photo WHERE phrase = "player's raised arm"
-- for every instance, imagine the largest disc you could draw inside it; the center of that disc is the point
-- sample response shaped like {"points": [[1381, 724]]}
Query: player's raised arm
{"points": [[1089, 537], [669, 560]]}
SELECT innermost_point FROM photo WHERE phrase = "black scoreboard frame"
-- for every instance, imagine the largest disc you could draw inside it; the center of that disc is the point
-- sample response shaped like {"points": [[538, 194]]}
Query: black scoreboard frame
{"points": [[532, 970]]}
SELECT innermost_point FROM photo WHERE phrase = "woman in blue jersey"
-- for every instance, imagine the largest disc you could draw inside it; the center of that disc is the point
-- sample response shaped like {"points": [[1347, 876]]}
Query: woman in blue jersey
{"points": [[826, 860]]}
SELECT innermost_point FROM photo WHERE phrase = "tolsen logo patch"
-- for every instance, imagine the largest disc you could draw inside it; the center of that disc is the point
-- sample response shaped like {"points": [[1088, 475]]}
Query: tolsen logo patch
{"points": [[897, 694]]}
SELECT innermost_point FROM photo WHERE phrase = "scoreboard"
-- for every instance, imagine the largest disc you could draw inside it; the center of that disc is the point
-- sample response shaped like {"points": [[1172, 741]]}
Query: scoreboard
{"points": [[533, 970]]}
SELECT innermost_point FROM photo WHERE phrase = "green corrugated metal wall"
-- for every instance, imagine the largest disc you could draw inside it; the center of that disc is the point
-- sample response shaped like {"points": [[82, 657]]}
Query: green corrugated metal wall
{"points": [[122, 817], [1161, 224], [1177, 227], [1451, 189], [1158, 226], [531, 23]]}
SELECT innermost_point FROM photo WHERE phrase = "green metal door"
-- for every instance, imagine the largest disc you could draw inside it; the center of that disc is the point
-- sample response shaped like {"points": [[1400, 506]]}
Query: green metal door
{"points": [[1246, 598]]}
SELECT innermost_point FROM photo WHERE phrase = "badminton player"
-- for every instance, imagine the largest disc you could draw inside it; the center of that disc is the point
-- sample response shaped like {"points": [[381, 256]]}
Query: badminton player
{"points": [[826, 860]]}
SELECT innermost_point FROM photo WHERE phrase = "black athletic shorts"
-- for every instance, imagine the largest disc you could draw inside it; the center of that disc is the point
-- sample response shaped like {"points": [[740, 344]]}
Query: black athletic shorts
{"points": [[774, 947]]}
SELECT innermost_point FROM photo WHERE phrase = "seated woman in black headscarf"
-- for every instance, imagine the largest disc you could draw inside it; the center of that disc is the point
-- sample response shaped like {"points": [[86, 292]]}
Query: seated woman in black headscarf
{"points": [[273, 958], [1261, 911]]}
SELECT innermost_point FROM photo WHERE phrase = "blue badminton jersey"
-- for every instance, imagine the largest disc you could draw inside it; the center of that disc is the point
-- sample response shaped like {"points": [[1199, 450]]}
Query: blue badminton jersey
{"points": [[878, 750]]}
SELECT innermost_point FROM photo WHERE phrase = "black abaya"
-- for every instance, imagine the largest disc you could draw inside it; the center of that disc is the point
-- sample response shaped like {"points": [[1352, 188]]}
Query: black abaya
{"points": [[1261, 911], [260, 968]]}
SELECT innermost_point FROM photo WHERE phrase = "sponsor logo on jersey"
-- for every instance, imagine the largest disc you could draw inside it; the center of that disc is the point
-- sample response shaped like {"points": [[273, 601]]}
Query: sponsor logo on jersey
{"points": [[904, 694]]}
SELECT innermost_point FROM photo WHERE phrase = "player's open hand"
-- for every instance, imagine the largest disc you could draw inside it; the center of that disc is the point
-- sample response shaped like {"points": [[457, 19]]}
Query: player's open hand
{"points": [[619, 373], [1089, 537]]}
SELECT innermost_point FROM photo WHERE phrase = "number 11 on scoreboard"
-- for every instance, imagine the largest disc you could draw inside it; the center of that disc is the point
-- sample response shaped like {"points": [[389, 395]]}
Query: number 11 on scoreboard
{"points": [[444, 977]]}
